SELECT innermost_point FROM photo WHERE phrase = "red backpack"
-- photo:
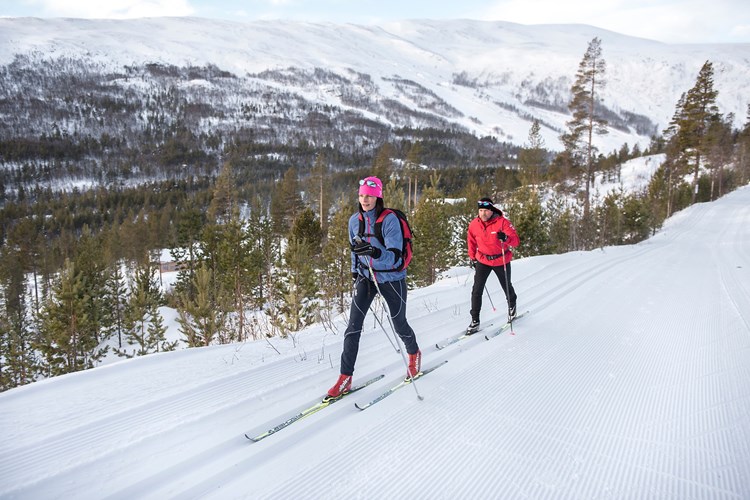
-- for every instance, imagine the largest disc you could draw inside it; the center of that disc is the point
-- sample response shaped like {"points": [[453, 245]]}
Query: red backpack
{"points": [[406, 251]]}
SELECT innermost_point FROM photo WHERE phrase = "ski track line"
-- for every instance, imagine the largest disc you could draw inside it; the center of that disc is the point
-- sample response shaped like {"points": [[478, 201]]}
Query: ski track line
{"points": [[460, 455], [540, 302], [735, 289], [543, 410], [633, 395], [464, 473], [103, 433], [189, 469], [276, 447], [113, 432], [579, 279], [205, 478], [205, 464], [366, 458]]}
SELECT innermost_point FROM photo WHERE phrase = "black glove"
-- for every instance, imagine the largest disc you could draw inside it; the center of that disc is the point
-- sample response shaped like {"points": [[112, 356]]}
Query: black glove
{"points": [[364, 249], [502, 236], [472, 263], [355, 276]]}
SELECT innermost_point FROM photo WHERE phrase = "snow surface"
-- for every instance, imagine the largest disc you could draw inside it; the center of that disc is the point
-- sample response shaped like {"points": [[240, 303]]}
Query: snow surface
{"points": [[629, 378]]}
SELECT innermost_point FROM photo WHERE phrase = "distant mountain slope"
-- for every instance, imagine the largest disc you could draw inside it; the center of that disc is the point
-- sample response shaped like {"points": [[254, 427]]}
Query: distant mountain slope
{"points": [[489, 78]]}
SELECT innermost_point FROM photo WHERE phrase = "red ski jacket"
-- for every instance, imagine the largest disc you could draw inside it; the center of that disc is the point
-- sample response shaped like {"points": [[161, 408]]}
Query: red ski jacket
{"points": [[484, 245]]}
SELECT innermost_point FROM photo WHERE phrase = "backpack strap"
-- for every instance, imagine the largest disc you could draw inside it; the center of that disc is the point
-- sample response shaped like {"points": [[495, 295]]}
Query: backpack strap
{"points": [[397, 253], [378, 233]]}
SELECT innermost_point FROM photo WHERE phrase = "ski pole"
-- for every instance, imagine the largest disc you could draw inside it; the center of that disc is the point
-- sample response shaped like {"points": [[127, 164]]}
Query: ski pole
{"points": [[358, 240], [507, 294], [489, 297], [485, 289], [397, 349]]}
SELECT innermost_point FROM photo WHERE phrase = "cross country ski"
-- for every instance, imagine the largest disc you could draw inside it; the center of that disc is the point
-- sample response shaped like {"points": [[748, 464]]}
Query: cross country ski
{"points": [[326, 402], [398, 386]]}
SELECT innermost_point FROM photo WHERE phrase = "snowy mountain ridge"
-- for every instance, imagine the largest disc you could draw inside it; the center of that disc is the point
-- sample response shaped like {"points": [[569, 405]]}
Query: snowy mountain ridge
{"points": [[491, 78]]}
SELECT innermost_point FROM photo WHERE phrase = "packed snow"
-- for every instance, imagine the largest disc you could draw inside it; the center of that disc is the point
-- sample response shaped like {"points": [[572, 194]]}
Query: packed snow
{"points": [[628, 378]]}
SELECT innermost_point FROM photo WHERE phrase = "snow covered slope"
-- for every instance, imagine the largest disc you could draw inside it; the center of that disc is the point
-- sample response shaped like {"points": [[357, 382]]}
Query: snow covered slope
{"points": [[493, 77], [630, 378]]}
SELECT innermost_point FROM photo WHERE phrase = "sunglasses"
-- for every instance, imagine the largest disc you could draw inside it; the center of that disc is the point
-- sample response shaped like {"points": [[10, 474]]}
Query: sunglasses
{"points": [[372, 184], [484, 204]]}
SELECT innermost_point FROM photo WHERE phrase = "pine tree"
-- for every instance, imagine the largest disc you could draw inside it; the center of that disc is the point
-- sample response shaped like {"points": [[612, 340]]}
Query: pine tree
{"points": [[66, 339], [336, 272], [532, 157], [320, 180], [719, 143], [224, 206], [141, 313], [297, 288], [562, 220], [688, 131], [200, 319], [185, 251], [90, 265], [529, 219], [157, 331], [18, 363], [262, 252], [433, 235], [587, 118], [306, 230], [742, 154], [225, 247], [411, 171], [382, 165], [394, 193], [286, 202], [116, 293]]}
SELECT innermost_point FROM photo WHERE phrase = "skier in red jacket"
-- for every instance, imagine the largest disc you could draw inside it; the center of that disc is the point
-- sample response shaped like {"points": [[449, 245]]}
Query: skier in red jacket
{"points": [[490, 237]]}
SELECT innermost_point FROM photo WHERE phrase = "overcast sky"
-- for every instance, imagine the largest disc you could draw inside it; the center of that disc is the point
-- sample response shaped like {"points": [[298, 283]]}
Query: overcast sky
{"points": [[672, 21]]}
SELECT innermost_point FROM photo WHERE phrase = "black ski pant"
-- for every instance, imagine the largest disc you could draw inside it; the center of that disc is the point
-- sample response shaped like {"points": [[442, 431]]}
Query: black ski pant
{"points": [[394, 293], [481, 272]]}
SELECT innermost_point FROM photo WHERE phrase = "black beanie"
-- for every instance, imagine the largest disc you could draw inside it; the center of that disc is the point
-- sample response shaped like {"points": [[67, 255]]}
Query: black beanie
{"points": [[488, 204]]}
